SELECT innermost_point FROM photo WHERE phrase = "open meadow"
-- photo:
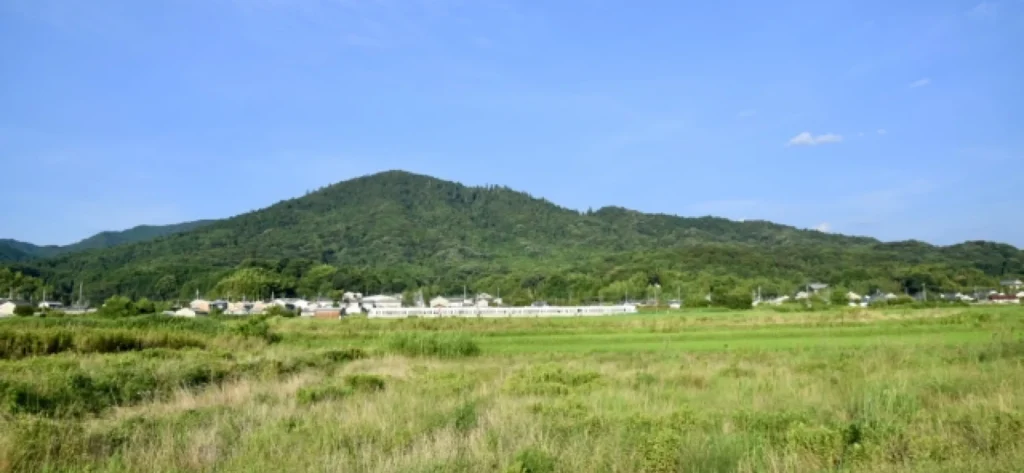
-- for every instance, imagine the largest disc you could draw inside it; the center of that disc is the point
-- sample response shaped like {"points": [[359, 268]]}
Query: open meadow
{"points": [[853, 390]]}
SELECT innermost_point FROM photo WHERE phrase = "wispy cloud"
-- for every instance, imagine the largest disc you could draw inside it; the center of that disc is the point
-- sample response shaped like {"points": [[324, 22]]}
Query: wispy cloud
{"points": [[881, 131], [746, 113], [920, 83], [808, 139], [982, 9]]}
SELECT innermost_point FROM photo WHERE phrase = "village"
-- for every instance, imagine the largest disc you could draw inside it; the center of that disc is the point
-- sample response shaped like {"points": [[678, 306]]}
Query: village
{"points": [[486, 305]]}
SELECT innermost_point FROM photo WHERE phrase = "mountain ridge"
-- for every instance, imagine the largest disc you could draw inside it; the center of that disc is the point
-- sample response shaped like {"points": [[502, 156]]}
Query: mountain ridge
{"points": [[397, 231], [104, 239]]}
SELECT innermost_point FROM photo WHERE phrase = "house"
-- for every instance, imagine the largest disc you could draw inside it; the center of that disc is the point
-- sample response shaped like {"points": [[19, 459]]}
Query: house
{"points": [[817, 287], [1020, 295], [439, 302], [291, 303], [7, 306], [1003, 299], [246, 307], [51, 305], [1012, 284], [328, 313], [321, 303]]}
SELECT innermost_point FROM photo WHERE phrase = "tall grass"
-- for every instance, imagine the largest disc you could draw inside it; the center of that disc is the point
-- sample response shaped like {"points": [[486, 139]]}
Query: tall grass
{"points": [[423, 405], [16, 344], [440, 345]]}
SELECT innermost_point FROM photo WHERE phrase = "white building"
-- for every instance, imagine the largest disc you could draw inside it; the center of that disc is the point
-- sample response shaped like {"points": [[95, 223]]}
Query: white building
{"points": [[7, 308], [185, 312], [853, 296], [381, 301], [51, 305], [1012, 284]]}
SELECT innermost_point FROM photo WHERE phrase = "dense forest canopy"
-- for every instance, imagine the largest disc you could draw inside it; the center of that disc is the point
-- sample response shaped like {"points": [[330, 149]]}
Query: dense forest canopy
{"points": [[400, 232]]}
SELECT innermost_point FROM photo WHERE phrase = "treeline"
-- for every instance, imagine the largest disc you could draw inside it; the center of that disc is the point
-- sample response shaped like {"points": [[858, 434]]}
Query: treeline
{"points": [[689, 274], [16, 285]]}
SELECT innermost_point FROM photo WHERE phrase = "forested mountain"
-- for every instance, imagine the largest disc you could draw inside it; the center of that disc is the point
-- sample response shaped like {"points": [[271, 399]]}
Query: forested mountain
{"points": [[14, 250], [397, 231]]}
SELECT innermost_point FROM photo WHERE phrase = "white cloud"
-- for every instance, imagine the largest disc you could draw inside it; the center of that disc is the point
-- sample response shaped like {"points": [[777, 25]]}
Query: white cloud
{"points": [[881, 131], [807, 139], [920, 83], [746, 113], [823, 227]]}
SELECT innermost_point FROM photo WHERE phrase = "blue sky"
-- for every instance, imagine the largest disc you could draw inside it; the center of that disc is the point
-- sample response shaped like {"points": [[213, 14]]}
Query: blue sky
{"points": [[891, 119]]}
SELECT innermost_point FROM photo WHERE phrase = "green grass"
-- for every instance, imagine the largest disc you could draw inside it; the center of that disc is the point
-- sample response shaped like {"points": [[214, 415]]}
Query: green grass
{"points": [[710, 391]]}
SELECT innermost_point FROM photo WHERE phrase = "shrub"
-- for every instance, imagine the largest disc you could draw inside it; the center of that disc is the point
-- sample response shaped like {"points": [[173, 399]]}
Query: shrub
{"points": [[24, 310], [440, 345], [733, 301], [278, 311], [145, 306], [118, 306]]}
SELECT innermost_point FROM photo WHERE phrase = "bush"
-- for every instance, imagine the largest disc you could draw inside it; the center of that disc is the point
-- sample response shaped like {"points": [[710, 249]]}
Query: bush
{"points": [[145, 306], [24, 311], [440, 345], [118, 306], [278, 311], [733, 301]]}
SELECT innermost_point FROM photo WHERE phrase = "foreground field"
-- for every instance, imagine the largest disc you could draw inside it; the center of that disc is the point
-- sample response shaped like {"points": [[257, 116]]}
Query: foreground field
{"points": [[921, 390]]}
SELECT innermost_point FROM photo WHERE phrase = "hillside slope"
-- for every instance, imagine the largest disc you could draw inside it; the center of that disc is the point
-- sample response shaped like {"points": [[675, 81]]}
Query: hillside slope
{"points": [[14, 250], [396, 231]]}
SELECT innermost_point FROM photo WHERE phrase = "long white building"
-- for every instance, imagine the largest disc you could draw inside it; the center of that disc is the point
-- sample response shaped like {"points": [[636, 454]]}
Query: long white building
{"points": [[500, 312]]}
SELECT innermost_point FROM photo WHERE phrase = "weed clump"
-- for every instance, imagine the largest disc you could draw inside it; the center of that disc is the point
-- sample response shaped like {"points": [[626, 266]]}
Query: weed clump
{"points": [[321, 393], [532, 460], [365, 382], [549, 381]]}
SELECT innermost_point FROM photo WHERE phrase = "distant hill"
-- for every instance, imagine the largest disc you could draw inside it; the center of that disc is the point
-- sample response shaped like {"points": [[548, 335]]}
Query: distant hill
{"points": [[14, 250], [398, 231]]}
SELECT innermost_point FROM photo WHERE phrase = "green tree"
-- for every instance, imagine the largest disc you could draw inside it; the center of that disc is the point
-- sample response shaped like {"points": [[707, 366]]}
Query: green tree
{"points": [[24, 310], [118, 306]]}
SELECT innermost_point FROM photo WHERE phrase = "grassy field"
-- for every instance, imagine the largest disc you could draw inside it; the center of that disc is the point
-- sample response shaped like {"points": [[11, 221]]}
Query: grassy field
{"points": [[929, 390]]}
